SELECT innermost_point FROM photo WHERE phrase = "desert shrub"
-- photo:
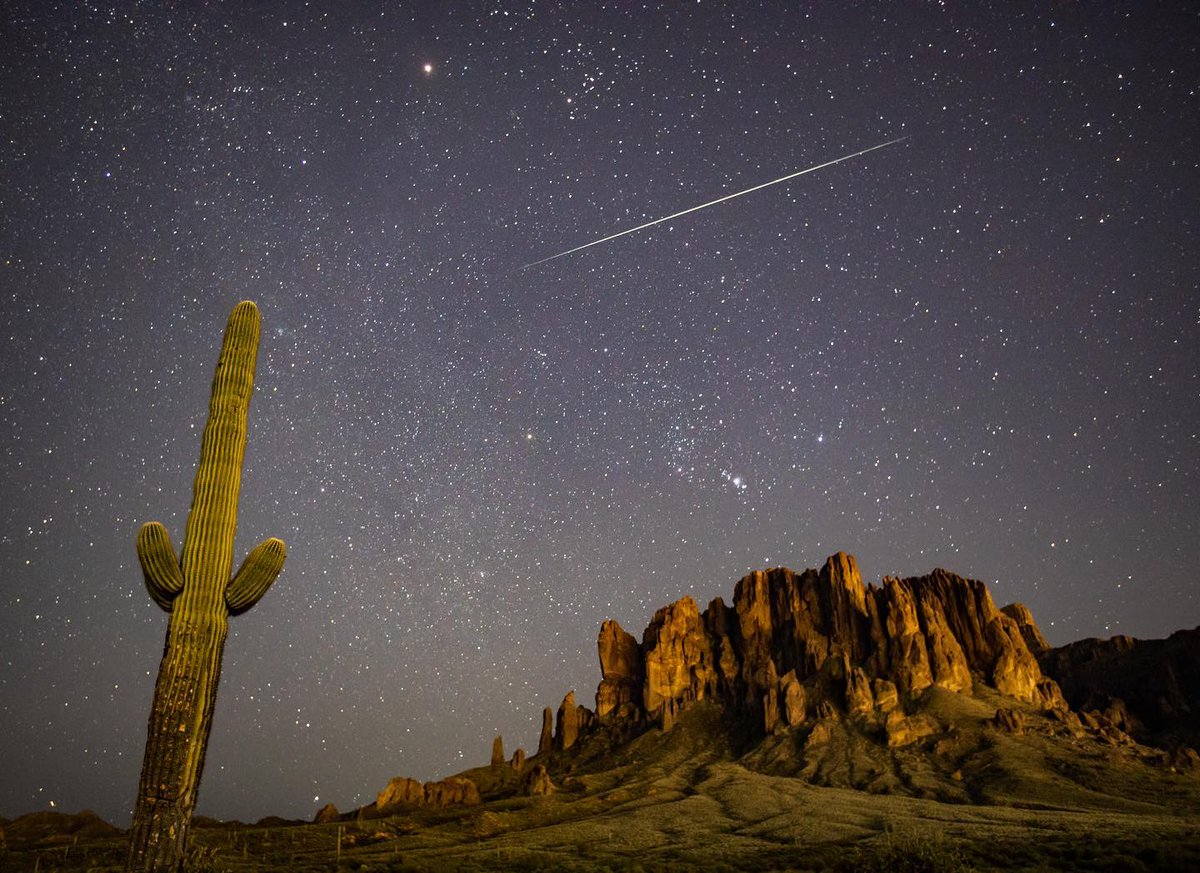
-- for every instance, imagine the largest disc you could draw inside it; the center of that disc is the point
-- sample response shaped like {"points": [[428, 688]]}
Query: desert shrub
{"points": [[202, 859], [908, 852]]}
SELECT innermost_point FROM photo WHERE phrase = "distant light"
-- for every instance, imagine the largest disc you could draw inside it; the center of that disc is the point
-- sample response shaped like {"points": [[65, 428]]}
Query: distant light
{"points": [[428, 68]]}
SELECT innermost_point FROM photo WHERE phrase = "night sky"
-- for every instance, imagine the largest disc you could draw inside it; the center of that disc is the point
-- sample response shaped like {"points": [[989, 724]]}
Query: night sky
{"points": [[975, 349]]}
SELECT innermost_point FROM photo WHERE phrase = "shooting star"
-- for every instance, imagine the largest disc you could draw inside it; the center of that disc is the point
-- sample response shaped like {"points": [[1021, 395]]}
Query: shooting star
{"points": [[597, 242]]}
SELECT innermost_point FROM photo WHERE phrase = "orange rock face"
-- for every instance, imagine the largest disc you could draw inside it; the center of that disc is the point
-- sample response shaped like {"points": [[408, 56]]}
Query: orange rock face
{"points": [[678, 657], [621, 666], [1034, 640], [402, 792], [795, 644], [455, 791], [572, 719], [568, 725]]}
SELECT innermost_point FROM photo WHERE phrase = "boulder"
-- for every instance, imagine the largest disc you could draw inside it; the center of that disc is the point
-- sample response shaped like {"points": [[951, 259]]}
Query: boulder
{"points": [[771, 720], [859, 698], [1009, 721], [400, 792], [886, 696], [537, 782], [901, 730]]}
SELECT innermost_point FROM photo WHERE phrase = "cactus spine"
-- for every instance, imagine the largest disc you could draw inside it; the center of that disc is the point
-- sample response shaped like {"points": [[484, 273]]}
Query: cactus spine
{"points": [[200, 596]]}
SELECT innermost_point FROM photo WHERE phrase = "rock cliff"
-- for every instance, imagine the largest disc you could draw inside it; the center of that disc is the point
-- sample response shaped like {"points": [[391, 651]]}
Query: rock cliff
{"points": [[796, 646]]}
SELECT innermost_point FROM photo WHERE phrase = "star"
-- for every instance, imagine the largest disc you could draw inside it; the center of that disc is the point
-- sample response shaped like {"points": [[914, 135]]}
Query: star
{"points": [[422, 411]]}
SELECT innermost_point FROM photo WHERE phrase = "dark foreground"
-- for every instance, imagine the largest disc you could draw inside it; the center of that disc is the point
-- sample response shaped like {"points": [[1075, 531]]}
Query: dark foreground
{"points": [[677, 802]]}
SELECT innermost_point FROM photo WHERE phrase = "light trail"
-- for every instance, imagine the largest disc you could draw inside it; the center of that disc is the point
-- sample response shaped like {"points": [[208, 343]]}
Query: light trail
{"points": [[597, 242]]}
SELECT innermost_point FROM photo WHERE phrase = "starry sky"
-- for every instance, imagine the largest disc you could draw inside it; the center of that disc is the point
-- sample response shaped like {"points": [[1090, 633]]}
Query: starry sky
{"points": [[975, 349]]}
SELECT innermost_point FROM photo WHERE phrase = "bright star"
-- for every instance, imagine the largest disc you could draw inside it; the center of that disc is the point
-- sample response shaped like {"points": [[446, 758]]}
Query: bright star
{"points": [[428, 68]]}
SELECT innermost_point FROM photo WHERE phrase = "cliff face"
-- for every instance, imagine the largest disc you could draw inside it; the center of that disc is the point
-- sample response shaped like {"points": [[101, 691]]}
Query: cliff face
{"points": [[793, 647]]}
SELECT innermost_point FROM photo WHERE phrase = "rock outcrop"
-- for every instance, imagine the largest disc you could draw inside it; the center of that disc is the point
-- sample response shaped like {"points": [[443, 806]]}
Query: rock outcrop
{"points": [[572, 719], [404, 793], [546, 740], [568, 723], [1020, 613], [621, 667], [455, 791], [794, 647], [1147, 688], [326, 814], [498, 750], [400, 791], [1008, 720], [537, 782]]}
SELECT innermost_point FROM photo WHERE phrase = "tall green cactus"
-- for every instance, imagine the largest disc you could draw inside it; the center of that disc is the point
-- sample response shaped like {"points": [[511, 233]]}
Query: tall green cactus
{"points": [[200, 596]]}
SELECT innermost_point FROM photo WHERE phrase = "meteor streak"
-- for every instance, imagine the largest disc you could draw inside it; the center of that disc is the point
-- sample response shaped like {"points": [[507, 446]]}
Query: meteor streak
{"points": [[597, 242]]}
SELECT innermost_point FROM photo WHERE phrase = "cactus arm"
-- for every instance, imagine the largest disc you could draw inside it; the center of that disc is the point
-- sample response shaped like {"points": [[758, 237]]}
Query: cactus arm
{"points": [[160, 567], [255, 575]]}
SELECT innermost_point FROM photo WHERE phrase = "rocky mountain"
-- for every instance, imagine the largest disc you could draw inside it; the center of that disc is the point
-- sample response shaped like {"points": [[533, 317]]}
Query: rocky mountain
{"points": [[917, 686], [793, 648], [902, 687], [1151, 688]]}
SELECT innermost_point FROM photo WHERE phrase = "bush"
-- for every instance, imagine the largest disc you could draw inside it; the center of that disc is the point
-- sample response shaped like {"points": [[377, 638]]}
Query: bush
{"points": [[908, 853]]}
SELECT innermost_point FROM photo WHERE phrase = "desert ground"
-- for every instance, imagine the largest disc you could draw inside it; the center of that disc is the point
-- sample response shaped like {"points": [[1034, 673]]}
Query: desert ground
{"points": [[687, 800]]}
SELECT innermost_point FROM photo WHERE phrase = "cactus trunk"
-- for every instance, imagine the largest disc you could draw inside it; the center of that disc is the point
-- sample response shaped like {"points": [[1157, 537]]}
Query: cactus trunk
{"points": [[200, 596], [180, 721]]}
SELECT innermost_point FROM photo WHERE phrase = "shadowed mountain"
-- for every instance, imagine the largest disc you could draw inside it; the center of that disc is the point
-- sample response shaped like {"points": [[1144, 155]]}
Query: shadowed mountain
{"points": [[1151, 688]]}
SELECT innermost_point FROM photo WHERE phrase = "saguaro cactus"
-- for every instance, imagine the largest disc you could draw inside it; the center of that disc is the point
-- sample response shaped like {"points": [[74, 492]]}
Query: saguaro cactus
{"points": [[200, 596]]}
